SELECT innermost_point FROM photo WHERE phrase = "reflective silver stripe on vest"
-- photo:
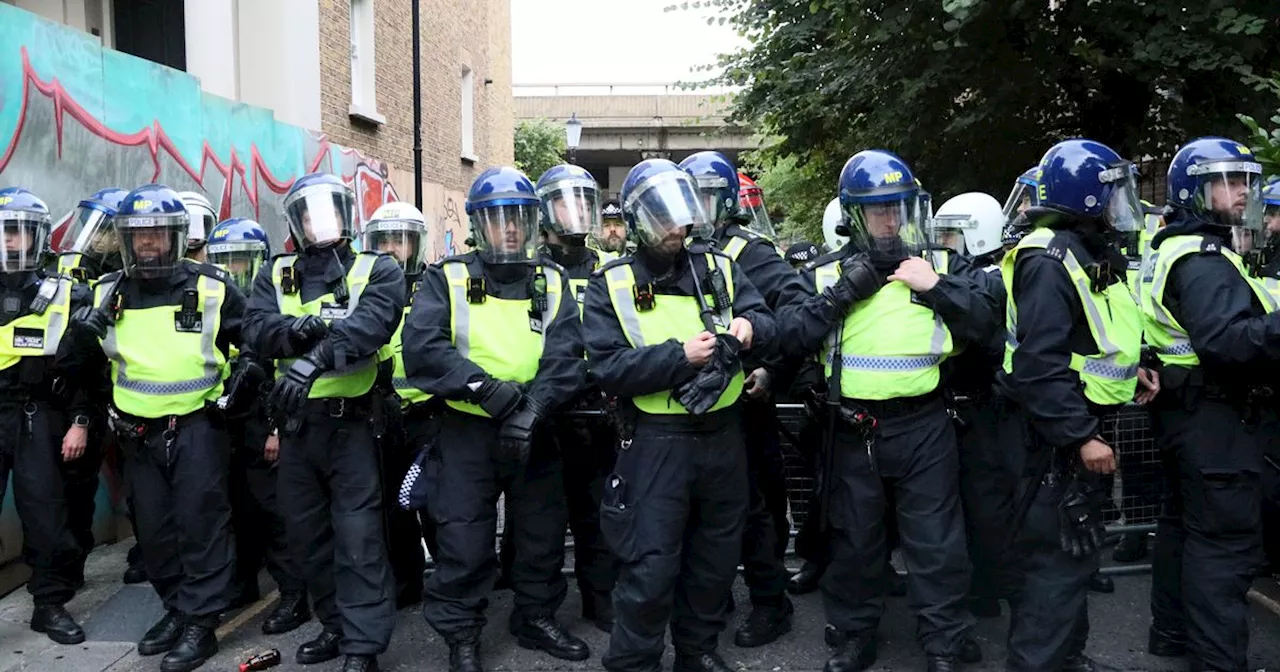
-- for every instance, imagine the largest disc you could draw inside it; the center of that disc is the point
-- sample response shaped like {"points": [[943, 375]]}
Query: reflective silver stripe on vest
{"points": [[456, 272], [208, 334], [57, 320], [734, 247], [887, 363], [1109, 353], [622, 283]]}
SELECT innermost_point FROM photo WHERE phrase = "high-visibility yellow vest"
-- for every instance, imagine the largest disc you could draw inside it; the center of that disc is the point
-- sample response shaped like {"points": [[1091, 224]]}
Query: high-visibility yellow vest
{"points": [[737, 243], [38, 333], [505, 337], [71, 265], [408, 393], [1169, 338], [160, 367], [669, 317], [357, 378], [1110, 376], [891, 347]]}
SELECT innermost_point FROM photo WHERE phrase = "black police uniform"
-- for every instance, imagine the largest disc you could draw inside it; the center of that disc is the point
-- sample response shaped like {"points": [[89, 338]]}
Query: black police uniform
{"points": [[39, 396], [676, 514], [987, 481], [468, 469], [915, 466], [177, 467], [1049, 624], [764, 541], [588, 446], [1211, 437], [329, 477]]}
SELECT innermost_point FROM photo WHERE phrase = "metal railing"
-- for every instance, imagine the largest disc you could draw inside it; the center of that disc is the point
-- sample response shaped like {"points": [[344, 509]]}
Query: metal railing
{"points": [[618, 89]]}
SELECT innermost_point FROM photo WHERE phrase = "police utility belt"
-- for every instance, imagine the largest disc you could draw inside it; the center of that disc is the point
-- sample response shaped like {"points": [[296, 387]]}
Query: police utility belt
{"points": [[854, 411]]}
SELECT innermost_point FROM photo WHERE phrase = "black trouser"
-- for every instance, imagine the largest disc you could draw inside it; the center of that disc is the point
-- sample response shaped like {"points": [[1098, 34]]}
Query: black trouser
{"points": [[331, 500], [1049, 615], [588, 447], [767, 531], [1208, 540], [466, 471], [183, 513], [404, 533], [1269, 434], [31, 449], [674, 512], [913, 456], [422, 430], [82, 484], [987, 487], [255, 513], [811, 540]]}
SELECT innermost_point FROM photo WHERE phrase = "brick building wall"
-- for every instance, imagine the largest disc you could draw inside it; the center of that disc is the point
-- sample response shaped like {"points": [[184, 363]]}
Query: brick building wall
{"points": [[455, 33]]}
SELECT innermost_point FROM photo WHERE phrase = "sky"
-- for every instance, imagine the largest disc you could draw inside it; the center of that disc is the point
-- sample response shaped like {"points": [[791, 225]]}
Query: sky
{"points": [[612, 41]]}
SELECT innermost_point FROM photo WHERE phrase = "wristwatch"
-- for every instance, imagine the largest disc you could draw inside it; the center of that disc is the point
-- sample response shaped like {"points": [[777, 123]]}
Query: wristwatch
{"points": [[80, 421]]}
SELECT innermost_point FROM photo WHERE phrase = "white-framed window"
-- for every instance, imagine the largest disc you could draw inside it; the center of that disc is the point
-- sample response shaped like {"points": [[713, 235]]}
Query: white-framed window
{"points": [[468, 114], [364, 104]]}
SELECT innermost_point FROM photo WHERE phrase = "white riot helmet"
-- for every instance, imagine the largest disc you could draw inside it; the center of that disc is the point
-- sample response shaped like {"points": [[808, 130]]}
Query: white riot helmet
{"points": [[969, 224], [203, 218], [833, 217], [398, 229]]}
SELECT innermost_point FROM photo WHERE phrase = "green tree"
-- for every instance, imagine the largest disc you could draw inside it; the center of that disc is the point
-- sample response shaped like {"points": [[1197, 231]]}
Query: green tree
{"points": [[1266, 142], [793, 191], [972, 92], [539, 145]]}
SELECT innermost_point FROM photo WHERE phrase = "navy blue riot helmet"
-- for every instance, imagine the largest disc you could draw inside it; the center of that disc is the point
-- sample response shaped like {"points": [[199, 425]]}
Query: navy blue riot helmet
{"points": [[24, 230], [717, 180], [503, 207], [1219, 181], [321, 211], [1086, 179], [241, 246], [659, 200], [152, 225], [570, 200], [880, 203], [90, 232]]}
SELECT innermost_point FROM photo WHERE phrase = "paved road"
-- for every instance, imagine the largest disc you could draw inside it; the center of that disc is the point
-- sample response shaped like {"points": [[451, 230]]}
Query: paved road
{"points": [[115, 616]]}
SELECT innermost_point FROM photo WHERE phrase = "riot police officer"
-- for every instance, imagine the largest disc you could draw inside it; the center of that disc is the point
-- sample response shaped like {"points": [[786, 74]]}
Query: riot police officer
{"points": [[832, 224], [167, 325], [45, 392], [326, 314], [1215, 330], [612, 237], [570, 213], [767, 531], [664, 329], [1072, 350], [91, 246], [970, 225], [203, 221], [400, 231], [241, 247], [755, 216], [889, 318], [497, 337]]}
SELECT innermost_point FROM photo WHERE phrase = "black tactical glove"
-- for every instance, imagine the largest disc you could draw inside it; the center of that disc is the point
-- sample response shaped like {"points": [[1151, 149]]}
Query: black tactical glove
{"points": [[700, 393], [1080, 517], [516, 435], [247, 375], [306, 329], [860, 281], [93, 320], [498, 398], [293, 388]]}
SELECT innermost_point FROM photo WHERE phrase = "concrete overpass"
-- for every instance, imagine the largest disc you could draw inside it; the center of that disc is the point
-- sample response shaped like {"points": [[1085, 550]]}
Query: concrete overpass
{"points": [[625, 124]]}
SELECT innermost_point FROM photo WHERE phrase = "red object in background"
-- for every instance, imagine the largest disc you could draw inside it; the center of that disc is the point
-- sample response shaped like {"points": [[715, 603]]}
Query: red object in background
{"points": [[749, 194]]}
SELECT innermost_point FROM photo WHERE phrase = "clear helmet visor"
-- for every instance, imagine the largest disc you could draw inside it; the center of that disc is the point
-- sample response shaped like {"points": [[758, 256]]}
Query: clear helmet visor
{"points": [[1245, 240], [758, 220], [1271, 222], [949, 231], [891, 228], [92, 235], [22, 240], [320, 216], [1124, 208], [152, 246], [571, 208], [1023, 197], [241, 259], [505, 234], [665, 205], [1232, 191], [403, 241], [712, 192]]}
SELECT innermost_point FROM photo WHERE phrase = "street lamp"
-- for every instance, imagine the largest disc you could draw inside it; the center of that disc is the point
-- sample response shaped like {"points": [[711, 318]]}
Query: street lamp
{"points": [[572, 136]]}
